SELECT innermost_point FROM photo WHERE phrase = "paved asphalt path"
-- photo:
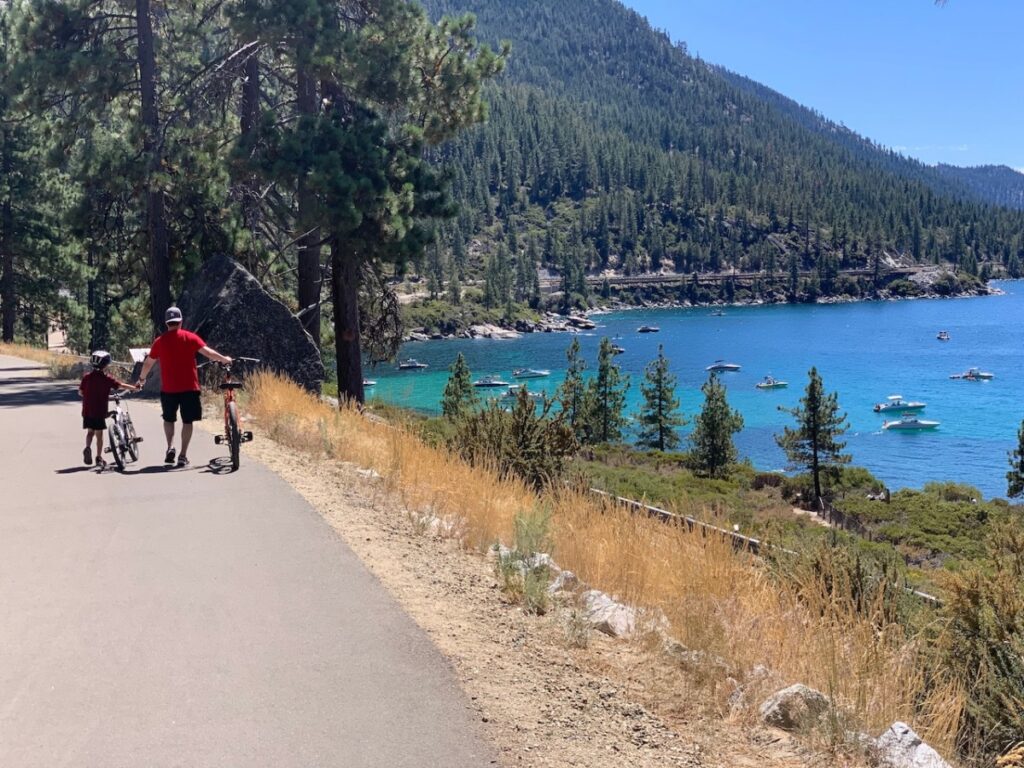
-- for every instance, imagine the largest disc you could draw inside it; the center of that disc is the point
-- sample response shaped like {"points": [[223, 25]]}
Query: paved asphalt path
{"points": [[194, 618]]}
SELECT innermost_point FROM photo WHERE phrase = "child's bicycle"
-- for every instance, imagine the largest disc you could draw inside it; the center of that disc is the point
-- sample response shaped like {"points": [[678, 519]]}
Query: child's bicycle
{"points": [[122, 442], [233, 435]]}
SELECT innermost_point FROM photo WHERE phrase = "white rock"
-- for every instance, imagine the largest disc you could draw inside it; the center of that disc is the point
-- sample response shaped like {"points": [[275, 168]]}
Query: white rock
{"points": [[565, 581], [541, 560], [794, 708], [607, 616], [371, 474], [900, 747]]}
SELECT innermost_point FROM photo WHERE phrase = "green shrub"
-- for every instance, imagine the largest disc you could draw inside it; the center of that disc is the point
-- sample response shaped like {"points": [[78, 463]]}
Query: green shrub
{"points": [[983, 645], [528, 442], [524, 575]]}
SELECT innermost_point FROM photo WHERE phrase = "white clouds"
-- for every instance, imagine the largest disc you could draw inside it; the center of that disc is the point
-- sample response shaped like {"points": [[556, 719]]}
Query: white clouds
{"points": [[934, 148]]}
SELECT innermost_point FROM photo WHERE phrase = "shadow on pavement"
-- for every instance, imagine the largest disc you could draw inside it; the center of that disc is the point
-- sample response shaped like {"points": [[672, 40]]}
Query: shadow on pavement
{"points": [[73, 470], [25, 368], [219, 466], [152, 469], [28, 390]]}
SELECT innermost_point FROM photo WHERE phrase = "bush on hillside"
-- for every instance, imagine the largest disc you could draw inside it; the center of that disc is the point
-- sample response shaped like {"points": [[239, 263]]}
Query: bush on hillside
{"points": [[528, 441], [983, 644]]}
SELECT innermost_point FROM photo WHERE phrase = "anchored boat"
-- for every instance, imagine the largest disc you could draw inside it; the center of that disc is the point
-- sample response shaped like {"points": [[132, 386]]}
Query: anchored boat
{"points": [[719, 365], [514, 389], [973, 374], [411, 364], [769, 383], [490, 382], [910, 423], [896, 404], [648, 329]]}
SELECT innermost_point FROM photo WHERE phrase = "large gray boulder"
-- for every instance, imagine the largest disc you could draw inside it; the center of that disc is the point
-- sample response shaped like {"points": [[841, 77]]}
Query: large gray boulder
{"points": [[900, 747], [795, 708], [229, 308]]}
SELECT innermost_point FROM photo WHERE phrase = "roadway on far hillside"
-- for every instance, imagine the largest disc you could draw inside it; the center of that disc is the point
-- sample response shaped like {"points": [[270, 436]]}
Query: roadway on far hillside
{"points": [[195, 618]]}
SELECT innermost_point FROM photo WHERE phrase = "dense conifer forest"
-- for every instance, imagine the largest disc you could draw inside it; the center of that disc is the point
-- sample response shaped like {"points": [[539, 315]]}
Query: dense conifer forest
{"points": [[610, 147]]}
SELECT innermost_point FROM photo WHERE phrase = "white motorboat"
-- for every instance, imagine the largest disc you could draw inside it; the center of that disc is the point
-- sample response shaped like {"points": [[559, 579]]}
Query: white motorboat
{"points": [[720, 365], [411, 364], [367, 383], [648, 329], [490, 382], [770, 383], [530, 373], [617, 350], [896, 404], [910, 423], [973, 374], [943, 336], [514, 389]]}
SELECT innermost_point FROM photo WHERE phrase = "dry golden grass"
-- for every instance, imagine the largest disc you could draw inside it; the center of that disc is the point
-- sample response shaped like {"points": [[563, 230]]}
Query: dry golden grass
{"points": [[715, 600], [58, 365]]}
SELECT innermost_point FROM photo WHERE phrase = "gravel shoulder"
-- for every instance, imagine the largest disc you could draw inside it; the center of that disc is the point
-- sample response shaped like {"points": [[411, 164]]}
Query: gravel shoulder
{"points": [[540, 700]]}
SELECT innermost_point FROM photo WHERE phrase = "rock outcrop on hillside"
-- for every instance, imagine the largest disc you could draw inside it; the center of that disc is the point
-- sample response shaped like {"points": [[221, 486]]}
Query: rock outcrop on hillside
{"points": [[229, 308]]}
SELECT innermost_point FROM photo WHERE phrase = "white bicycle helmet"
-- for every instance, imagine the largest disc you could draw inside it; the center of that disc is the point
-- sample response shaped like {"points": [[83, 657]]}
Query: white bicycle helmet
{"points": [[100, 359]]}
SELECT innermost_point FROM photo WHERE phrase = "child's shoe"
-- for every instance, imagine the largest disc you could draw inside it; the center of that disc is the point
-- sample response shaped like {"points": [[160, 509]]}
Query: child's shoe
{"points": [[87, 455], [101, 463]]}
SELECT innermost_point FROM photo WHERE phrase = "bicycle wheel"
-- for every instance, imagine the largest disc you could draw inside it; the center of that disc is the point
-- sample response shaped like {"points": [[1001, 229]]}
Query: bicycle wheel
{"points": [[116, 439], [131, 440], [234, 436]]}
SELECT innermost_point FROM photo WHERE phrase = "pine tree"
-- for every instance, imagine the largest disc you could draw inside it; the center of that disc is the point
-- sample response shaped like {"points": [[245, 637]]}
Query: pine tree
{"points": [[606, 398], [1015, 477], [459, 395], [814, 443], [572, 393], [712, 446], [659, 417]]}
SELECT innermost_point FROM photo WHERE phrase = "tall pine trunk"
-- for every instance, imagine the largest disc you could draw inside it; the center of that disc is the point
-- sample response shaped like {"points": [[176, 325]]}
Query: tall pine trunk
{"points": [[310, 275], [8, 296], [345, 292], [248, 118], [156, 216]]}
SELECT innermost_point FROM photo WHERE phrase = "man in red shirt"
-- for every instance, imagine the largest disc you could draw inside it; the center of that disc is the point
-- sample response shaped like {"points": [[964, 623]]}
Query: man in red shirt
{"points": [[179, 380]]}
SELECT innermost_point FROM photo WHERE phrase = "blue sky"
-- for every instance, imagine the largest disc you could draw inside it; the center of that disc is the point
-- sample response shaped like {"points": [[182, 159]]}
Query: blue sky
{"points": [[942, 84]]}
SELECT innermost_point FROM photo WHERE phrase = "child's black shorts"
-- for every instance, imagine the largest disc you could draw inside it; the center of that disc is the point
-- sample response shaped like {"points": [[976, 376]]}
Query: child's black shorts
{"points": [[88, 423], [191, 406]]}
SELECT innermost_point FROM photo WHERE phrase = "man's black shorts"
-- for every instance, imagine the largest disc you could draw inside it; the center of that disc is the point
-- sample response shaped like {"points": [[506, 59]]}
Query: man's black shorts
{"points": [[90, 423], [191, 407]]}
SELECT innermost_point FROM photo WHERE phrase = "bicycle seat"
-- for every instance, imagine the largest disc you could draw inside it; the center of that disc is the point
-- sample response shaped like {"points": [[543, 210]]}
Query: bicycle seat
{"points": [[232, 385]]}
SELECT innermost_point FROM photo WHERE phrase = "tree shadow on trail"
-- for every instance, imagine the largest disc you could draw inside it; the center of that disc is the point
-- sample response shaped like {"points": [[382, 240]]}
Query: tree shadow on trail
{"points": [[27, 390]]}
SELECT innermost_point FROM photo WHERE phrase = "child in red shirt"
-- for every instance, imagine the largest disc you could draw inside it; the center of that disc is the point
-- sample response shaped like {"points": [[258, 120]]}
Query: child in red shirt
{"points": [[95, 390]]}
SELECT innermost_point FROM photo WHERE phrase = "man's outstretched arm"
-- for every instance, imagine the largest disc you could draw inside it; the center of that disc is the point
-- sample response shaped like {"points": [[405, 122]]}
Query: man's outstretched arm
{"points": [[213, 354]]}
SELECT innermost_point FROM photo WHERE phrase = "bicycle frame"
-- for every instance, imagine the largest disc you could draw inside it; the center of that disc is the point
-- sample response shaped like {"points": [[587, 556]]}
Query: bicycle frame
{"points": [[122, 440], [233, 435]]}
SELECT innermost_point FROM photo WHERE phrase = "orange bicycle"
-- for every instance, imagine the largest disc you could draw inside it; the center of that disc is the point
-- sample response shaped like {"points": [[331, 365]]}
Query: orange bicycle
{"points": [[233, 435]]}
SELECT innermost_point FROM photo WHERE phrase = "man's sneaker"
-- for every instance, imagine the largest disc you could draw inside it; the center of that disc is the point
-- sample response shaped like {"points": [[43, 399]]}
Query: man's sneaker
{"points": [[87, 455], [183, 461], [101, 463], [169, 457]]}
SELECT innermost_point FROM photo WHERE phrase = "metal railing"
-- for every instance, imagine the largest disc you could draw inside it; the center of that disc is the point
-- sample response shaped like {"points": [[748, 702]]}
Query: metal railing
{"points": [[739, 542]]}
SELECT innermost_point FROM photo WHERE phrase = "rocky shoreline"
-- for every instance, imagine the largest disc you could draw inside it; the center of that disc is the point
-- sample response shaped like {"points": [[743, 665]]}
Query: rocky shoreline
{"points": [[552, 322]]}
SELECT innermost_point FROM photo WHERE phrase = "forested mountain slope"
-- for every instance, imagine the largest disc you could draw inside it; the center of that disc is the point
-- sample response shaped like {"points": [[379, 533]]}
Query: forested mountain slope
{"points": [[609, 146], [996, 184]]}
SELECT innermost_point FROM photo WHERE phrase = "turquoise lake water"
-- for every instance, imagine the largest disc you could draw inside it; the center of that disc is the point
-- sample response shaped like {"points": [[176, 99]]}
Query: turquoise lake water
{"points": [[864, 351]]}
